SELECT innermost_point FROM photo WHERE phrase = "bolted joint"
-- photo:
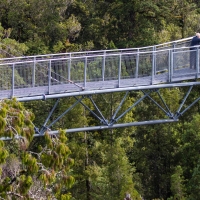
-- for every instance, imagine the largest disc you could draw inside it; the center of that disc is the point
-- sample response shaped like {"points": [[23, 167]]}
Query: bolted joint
{"points": [[104, 122]]}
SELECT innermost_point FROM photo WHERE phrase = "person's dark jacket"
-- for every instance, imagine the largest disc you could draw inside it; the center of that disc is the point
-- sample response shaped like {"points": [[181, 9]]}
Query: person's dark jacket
{"points": [[195, 41]]}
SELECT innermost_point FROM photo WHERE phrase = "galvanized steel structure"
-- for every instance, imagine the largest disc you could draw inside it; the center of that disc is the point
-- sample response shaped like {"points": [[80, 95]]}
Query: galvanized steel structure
{"points": [[83, 74]]}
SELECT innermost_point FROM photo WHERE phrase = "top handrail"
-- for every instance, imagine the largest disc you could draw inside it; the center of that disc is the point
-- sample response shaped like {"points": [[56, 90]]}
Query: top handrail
{"points": [[95, 55], [175, 41], [76, 54]]}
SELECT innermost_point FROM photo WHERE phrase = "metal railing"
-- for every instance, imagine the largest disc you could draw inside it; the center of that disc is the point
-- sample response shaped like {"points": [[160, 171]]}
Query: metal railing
{"points": [[173, 44], [77, 71]]}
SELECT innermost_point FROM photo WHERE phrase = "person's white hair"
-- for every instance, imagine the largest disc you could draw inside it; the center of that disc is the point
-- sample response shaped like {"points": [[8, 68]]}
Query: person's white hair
{"points": [[128, 196], [198, 35]]}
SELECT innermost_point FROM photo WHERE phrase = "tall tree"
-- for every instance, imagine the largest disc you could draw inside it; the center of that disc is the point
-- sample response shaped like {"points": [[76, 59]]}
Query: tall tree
{"points": [[155, 146], [23, 171]]}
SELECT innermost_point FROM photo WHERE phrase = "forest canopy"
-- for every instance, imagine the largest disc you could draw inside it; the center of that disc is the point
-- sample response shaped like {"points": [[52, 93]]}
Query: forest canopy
{"points": [[148, 162], [75, 25]]}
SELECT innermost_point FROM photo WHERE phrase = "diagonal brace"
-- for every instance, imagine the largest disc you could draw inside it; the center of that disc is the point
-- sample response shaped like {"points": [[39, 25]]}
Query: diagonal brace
{"points": [[50, 114], [120, 105], [70, 108], [58, 100], [137, 102], [167, 113], [104, 121], [178, 114], [189, 107], [83, 104]]}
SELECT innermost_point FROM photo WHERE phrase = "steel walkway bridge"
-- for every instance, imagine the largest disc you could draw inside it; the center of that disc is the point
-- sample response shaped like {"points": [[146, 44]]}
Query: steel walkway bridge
{"points": [[84, 74]]}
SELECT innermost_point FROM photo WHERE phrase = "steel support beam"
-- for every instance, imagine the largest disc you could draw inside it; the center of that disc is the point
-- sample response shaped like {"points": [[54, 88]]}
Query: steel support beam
{"points": [[104, 91], [74, 130], [112, 123]]}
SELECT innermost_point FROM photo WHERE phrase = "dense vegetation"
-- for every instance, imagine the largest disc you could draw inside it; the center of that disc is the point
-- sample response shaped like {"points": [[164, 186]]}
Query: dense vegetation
{"points": [[150, 162]]}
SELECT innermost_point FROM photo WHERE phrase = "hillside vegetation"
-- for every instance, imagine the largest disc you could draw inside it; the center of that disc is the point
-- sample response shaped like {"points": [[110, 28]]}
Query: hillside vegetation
{"points": [[148, 162]]}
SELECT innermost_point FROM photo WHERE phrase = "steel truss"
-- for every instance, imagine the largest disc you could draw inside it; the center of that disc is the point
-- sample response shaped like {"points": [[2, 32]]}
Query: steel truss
{"points": [[112, 123]]}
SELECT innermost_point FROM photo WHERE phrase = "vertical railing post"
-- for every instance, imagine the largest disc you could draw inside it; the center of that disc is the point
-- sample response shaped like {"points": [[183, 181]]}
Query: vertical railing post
{"points": [[153, 66], [103, 66], [33, 75], [49, 77], [13, 80], [197, 62], [172, 64], [119, 69], [174, 45], [85, 71], [169, 65], [137, 63], [172, 61], [69, 68]]}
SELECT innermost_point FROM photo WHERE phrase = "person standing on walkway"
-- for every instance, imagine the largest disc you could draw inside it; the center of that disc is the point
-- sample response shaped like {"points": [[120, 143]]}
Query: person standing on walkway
{"points": [[195, 41]]}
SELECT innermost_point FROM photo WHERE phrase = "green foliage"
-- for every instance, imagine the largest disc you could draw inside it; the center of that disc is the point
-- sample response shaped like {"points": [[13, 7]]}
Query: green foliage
{"points": [[19, 165], [120, 173], [92, 151], [106, 168], [15, 120], [155, 149], [10, 47], [189, 146], [3, 153], [195, 182], [56, 165], [177, 184], [30, 162], [25, 183], [158, 161]]}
